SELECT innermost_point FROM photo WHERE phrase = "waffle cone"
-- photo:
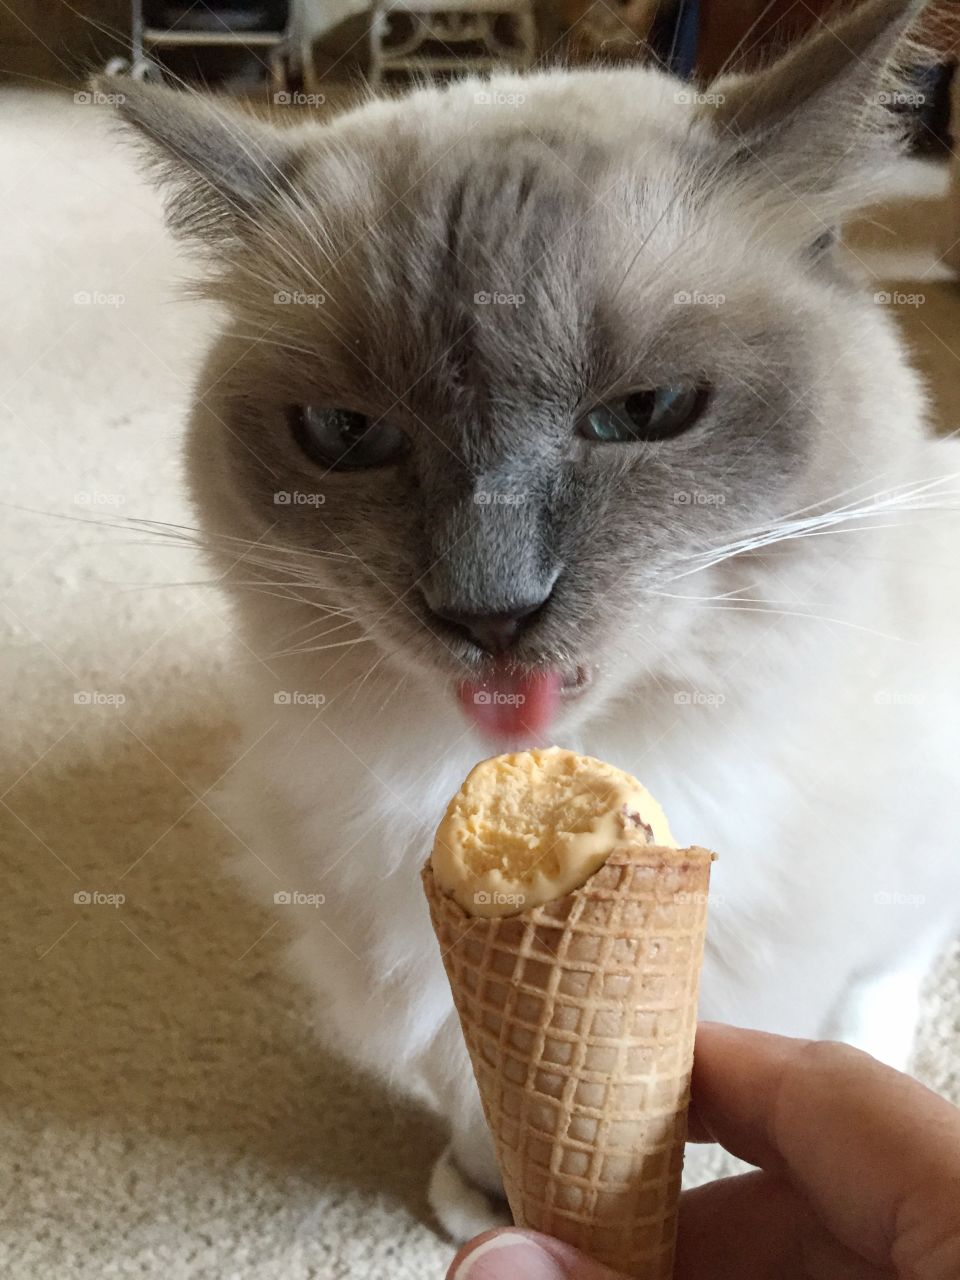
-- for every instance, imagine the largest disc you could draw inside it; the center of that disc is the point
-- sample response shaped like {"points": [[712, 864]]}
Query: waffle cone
{"points": [[579, 1016]]}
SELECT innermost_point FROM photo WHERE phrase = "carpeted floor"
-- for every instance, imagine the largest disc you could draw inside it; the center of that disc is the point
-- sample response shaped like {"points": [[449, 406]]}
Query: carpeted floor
{"points": [[165, 1109]]}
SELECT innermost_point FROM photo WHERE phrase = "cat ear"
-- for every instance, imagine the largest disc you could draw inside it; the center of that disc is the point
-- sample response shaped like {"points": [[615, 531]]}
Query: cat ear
{"points": [[223, 170], [816, 121]]}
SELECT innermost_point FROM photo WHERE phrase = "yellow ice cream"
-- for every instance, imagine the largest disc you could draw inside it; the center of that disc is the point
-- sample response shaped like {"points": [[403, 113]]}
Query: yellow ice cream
{"points": [[533, 825]]}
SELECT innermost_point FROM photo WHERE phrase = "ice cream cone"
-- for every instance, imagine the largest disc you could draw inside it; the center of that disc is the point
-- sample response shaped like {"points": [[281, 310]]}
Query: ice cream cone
{"points": [[579, 1016]]}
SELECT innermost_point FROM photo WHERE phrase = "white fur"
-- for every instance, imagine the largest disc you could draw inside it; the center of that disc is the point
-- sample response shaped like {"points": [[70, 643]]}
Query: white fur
{"points": [[823, 780], [816, 754]]}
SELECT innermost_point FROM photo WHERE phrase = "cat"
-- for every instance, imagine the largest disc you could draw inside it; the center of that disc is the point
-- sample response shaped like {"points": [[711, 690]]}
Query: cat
{"points": [[555, 385]]}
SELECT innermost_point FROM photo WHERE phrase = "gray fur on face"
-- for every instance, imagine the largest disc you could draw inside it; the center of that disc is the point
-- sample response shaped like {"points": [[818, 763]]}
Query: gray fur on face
{"points": [[480, 278]]}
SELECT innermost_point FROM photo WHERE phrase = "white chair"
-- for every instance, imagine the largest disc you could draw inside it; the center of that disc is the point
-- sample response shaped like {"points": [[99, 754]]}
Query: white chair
{"points": [[465, 35]]}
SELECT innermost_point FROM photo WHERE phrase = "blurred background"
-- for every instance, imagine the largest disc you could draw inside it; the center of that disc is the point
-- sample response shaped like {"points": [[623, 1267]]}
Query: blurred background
{"points": [[163, 1112], [243, 45]]}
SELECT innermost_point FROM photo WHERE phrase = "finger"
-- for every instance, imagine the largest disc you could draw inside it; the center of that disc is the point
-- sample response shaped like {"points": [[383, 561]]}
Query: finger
{"points": [[509, 1254], [876, 1154], [758, 1226]]}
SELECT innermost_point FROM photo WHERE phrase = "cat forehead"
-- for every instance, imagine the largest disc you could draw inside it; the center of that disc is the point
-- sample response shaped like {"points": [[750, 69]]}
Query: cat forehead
{"points": [[446, 181], [542, 138], [477, 251], [618, 110]]}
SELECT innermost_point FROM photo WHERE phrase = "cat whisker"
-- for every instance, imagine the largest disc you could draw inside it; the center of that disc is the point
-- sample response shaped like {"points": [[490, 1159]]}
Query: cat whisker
{"points": [[405, 676], [309, 645], [339, 644], [164, 527], [911, 497], [367, 676], [816, 617], [190, 535], [328, 611], [726, 597]]}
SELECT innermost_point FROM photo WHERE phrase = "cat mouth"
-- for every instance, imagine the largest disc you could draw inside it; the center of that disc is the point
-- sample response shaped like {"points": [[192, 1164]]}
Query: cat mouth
{"points": [[510, 703]]}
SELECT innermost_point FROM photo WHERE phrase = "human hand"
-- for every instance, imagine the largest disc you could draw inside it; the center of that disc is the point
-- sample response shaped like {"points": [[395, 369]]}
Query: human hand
{"points": [[858, 1174]]}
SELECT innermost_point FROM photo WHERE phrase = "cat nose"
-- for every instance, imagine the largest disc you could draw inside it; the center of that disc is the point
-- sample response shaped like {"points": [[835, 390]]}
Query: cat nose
{"points": [[493, 632]]}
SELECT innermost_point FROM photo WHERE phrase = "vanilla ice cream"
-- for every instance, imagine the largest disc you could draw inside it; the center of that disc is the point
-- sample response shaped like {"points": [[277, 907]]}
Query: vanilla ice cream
{"points": [[532, 826]]}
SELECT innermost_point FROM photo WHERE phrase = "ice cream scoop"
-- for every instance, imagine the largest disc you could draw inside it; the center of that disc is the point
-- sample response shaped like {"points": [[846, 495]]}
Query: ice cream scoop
{"points": [[531, 826]]}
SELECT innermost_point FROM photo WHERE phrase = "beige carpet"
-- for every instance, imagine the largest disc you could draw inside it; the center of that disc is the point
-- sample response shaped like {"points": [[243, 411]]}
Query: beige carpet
{"points": [[165, 1110]]}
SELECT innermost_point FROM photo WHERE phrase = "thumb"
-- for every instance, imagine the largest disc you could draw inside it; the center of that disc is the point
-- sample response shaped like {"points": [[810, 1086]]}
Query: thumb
{"points": [[511, 1253]]}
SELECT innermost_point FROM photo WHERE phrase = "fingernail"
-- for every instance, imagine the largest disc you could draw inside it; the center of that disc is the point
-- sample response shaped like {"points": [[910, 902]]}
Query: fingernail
{"points": [[507, 1256]]}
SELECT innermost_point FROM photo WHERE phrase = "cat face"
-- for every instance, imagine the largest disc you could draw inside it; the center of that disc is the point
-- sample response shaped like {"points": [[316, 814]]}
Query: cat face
{"points": [[541, 419], [507, 365]]}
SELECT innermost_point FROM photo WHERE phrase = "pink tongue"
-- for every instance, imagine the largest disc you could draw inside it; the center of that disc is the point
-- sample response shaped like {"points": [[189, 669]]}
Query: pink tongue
{"points": [[512, 703]]}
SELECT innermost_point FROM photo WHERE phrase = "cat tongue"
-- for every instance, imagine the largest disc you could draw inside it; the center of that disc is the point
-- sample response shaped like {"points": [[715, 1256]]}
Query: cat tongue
{"points": [[512, 703]]}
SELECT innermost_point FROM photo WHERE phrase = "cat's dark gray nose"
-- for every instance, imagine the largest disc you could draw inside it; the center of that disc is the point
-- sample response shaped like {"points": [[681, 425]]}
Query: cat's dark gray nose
{"points": [[493, 632]]}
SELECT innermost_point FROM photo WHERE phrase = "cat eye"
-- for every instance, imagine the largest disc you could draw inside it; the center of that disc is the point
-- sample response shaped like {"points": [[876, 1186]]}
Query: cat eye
{"points": [[655, 414], [345, 439]]}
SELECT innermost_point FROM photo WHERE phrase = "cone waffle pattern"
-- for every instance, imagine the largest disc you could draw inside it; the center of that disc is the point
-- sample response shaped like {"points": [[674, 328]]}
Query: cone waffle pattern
{"points": [[579, 1017]]}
